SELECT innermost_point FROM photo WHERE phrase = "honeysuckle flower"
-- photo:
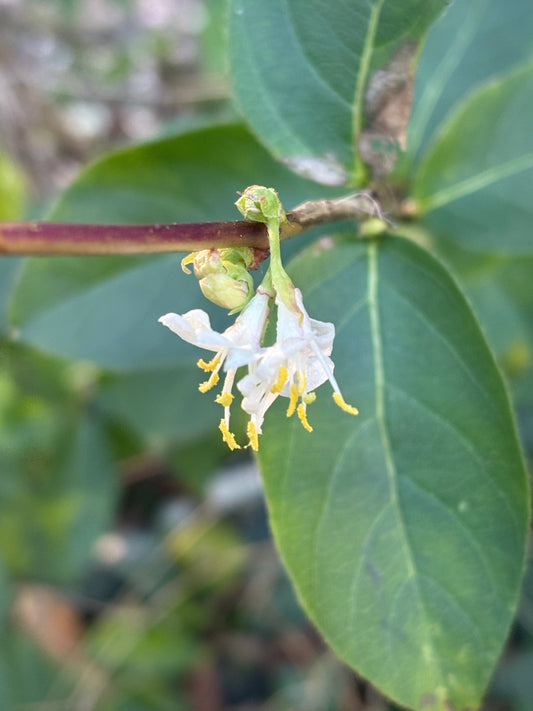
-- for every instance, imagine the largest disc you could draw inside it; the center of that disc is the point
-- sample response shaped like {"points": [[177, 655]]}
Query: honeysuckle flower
{"points": [[239, 344], [297, 364]]}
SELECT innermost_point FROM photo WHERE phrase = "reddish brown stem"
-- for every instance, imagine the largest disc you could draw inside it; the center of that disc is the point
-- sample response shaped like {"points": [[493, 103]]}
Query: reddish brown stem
{"points": [[62, 238]]}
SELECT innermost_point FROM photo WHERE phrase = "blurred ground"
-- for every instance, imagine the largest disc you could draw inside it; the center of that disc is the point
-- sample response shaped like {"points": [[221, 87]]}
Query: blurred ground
{"points": [[77, 76]]}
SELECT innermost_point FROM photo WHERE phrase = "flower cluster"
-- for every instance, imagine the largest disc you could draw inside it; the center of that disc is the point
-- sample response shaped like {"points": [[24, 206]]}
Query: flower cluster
{"points": [[293, 367], [297, 363]]}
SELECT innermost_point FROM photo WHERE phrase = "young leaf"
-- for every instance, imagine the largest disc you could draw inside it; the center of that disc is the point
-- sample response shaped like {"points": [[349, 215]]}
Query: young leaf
{"points": [[404, 529], [301, 69], [472, 42], [473, 186]]}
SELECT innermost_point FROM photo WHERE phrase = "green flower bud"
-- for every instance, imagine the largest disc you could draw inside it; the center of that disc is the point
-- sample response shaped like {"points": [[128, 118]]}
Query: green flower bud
{"points": [[207, 261], [260, 204], [223, 275], [238, 255], [374, 227], [228, 292]]}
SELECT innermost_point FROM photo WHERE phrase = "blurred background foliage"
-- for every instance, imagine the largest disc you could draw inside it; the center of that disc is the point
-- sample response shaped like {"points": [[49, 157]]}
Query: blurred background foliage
{"points": [[136, 569]]}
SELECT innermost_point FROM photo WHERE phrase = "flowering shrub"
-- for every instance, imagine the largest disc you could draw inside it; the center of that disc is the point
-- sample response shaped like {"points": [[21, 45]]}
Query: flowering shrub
{"points": [[401, 131]]}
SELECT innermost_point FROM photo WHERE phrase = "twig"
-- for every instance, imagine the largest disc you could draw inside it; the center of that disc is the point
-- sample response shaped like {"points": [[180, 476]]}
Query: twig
{"points": [[61, 238]]}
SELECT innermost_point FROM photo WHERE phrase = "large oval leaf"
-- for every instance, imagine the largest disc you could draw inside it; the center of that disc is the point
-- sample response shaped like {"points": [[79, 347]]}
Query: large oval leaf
{"points": [[474, 184], [300, 70], [403, 529], [472, 42]]}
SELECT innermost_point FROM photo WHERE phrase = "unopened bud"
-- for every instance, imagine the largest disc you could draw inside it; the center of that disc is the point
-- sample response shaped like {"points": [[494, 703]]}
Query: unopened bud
{"points": [[225, 291], [260, 204], [374, 227], [206, 262], [223, 275]]}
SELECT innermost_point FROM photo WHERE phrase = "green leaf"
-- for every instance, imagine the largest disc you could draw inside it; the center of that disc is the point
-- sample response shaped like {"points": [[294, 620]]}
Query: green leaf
{"points": [[12, 190], [5, 596], [473, 186], [57, 491], [89, 493], [105, 309], [499, 289], [162, 404], [29, 677], [300, 70], [404, 529], [472, 42], [8, 269]]}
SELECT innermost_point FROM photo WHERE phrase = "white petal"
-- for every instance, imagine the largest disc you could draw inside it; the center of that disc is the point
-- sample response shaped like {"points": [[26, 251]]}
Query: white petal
{"points": [[323, 333], [249, 324], [316, 373], [241, 356], [257, 398], [195, 327], [289, 322], [187, 326]]}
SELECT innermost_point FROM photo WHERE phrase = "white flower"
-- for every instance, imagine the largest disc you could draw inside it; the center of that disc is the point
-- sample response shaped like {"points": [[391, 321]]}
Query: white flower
{"points": [[297, 364], [239, 344]]}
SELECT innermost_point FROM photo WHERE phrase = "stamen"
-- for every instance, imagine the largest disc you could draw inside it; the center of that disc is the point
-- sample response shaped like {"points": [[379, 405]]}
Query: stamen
{"points": [[253, 437], [300, 411], [308, 398], [209, 365], [208, 384], [339, 400], [224, 399], [187, 260], [227, 436], [283, 374], [293, 400], [302, 382]]}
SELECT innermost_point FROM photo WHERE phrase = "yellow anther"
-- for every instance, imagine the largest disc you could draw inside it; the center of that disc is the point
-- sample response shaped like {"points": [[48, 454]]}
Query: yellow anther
{"points": [[293, 401], [209, 365], [253, 437], [283, 374], [224, 399], [188, 260], [208, 384], [302, 382], [227, 436], [308, 398], [300, 410], [339, 400]]}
